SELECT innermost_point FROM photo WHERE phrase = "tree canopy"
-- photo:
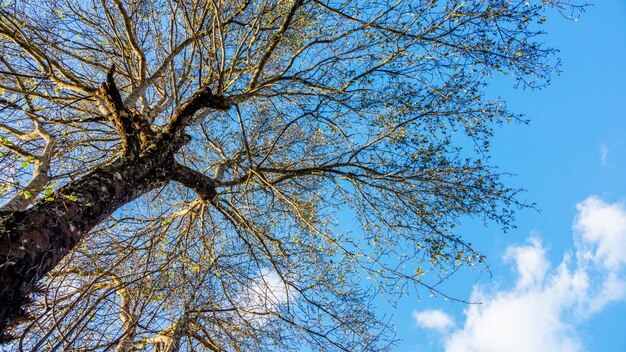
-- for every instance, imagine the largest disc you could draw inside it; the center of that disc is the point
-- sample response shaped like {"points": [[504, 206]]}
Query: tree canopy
{"points": [[224, 175]]}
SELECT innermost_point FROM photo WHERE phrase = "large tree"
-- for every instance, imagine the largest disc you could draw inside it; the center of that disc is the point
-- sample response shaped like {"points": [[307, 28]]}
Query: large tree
{"points": [[221, 175]]}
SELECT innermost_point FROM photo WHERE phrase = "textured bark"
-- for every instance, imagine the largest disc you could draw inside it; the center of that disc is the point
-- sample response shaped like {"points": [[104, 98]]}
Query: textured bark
{"points": [[33, 241]]}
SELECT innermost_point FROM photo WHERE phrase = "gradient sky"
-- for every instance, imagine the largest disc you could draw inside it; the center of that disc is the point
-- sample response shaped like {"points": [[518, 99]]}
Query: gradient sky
{"points": [[559, 279]]}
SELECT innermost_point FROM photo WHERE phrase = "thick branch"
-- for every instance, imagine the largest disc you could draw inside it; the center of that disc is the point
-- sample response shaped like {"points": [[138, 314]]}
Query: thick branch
{"points": [[203, 185], [134, 131], [121, 117], [127, 317], [203, 98]]}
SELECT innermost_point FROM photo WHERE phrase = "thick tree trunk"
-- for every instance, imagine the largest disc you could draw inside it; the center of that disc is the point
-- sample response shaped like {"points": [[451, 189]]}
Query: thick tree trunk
{"points": [[33, 241]]}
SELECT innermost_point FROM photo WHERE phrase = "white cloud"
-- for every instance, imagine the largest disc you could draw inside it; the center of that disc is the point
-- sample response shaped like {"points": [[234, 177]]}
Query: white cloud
{"points": [[433, 319], [542, 311], [530, 261], [527, 317], [269, 290], [602, 226], [266, 294]]}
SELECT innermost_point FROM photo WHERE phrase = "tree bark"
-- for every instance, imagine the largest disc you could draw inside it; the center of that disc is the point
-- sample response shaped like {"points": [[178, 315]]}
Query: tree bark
{"points": [[33, 241]]}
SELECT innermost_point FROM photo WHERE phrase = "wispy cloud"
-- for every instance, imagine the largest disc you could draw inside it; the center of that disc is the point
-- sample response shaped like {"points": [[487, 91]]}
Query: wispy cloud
{"points": [[547, 304], [605, 150]]}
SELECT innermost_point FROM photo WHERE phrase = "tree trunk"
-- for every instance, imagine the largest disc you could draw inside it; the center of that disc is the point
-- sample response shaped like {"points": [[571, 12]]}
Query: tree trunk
{"points": [[33, 241]]}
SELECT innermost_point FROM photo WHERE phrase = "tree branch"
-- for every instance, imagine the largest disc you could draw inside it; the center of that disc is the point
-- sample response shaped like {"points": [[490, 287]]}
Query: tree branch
{"points": [[203, 185], [274, 42], [203, 98], [40, 178], [37, 183], [121, 117], [134, 131]]}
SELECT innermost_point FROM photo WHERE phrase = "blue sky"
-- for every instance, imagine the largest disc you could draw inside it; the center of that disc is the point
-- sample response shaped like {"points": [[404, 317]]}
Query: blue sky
{"points": [[559, 280]]}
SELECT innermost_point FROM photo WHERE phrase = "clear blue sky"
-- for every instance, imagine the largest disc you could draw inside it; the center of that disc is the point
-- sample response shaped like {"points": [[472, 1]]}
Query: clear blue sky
{"points": [[559, 279]]}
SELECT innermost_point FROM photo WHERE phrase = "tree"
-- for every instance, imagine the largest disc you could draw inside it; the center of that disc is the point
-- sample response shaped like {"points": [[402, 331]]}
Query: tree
{"points": [[175, 171]]}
